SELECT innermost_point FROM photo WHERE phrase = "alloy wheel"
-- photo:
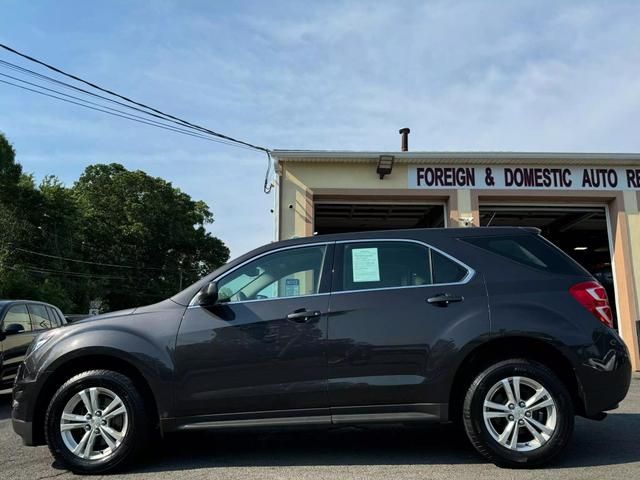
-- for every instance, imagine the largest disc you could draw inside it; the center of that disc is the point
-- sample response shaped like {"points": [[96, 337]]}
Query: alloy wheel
{"points": [[94, 423], [520, 414]]}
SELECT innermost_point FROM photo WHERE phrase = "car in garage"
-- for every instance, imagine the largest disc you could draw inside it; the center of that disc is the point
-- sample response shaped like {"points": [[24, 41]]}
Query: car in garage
{"points": [[492, 328], [20, 322]]}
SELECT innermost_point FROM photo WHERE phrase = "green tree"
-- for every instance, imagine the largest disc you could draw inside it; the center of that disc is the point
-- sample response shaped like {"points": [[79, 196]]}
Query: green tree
{"points": [[17, 206], [10, 171], [121, 236], [133, 219], [17, 190], [10, 234]]}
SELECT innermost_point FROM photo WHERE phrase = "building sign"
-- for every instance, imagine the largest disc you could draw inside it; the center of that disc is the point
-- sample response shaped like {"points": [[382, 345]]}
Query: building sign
{"points": [[517, 177]]}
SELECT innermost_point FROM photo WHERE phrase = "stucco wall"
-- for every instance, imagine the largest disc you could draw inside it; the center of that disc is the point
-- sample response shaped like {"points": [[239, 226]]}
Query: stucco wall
{"points": [[301, 182]]}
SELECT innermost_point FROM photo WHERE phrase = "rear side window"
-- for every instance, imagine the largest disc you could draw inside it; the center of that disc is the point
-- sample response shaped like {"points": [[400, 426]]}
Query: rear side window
{"points": [[385, 264], [55, 317], [393, 264], [446, 270], [530, 250], [39, 317]]}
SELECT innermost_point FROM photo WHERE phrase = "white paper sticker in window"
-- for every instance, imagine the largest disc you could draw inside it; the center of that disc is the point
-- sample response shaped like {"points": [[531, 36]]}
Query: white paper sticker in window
{"points": [[365, 265], [291, 287]]}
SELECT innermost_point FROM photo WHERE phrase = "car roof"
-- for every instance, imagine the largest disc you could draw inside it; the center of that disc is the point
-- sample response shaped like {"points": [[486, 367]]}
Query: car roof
{"points": [[18, 300], [408, 233]]}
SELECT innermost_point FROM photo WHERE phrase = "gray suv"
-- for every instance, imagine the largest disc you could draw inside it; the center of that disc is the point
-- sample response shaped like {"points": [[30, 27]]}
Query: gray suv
{"points": [[492, 328]]}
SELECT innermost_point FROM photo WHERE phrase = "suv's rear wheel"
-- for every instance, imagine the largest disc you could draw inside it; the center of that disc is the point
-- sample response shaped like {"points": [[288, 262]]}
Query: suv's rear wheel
{"points": [[517, 413], [96, 422]]}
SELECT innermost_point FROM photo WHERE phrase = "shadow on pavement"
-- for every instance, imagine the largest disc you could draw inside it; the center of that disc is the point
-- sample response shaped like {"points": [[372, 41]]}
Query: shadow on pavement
{"points": [[613, 441], [341, 446]]}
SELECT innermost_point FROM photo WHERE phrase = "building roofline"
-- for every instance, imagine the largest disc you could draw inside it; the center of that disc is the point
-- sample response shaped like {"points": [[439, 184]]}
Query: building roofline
{"points": [[440, 157]]}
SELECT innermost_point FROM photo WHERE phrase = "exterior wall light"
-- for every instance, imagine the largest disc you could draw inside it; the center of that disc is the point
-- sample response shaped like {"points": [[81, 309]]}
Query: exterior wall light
{"points": [[385, 165], [466, 220]]}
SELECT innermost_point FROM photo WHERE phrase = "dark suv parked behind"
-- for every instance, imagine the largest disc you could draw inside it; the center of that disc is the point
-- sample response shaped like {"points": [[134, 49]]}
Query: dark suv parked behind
{"points": [[494, 328], [20, 322]]}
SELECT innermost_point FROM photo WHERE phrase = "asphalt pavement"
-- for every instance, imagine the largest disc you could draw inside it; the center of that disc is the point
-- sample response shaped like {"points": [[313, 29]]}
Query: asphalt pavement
{"points": [[599, 450]]}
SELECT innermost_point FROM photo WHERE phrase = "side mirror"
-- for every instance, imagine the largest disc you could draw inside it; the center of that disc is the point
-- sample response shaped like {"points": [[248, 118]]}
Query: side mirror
{"points": [[208, 294], [13, 328]]}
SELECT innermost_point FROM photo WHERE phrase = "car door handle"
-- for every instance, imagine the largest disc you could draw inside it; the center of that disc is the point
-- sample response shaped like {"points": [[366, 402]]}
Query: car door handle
{"points": [[301, 316], [444, 299]]}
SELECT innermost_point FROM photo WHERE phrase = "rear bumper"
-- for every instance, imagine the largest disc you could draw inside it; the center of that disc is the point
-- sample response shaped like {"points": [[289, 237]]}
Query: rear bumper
{"points": [[605, 381]]}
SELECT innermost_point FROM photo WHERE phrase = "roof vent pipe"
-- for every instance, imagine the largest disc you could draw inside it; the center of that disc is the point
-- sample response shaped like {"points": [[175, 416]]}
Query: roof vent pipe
{"points": [[404, 142]]}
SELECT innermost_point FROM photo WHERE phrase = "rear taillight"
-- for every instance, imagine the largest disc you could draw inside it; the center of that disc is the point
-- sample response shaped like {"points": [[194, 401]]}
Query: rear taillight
{"points": [[593, 297]]}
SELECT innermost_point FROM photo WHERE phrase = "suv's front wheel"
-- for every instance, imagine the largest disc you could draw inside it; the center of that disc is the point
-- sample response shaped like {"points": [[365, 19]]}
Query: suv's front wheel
{"points": [[517, 413], [96, 422]]}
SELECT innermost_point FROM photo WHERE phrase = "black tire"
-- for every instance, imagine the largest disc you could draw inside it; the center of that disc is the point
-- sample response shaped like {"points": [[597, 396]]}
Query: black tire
{"points": [[137, 432], [479, 434]]}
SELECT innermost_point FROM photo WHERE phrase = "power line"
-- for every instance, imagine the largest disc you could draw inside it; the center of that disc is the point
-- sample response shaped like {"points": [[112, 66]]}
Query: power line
{"points": [[85, 246], [87, 262], [125, 115], [110, 92], [82, 99], [147, 109], [26, 71], [35, 269], [40, 76], [267, 187]]}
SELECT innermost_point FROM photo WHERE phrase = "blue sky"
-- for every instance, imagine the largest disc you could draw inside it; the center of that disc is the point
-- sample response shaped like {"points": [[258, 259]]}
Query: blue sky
{"points": [[464, 75]]}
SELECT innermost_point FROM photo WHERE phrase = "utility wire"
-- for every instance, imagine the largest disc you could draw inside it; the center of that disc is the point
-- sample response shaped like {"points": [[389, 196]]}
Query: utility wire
{"points": [[85, 101], [26, 71], [71, 274], [267, 186], [33, 269], [129, 116], [125, 115], [114, 265], [75, 244], [40, 76], [147, 109], [110, 92]]}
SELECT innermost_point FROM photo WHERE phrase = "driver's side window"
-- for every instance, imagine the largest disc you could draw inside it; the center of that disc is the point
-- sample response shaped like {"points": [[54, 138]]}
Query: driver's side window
{"points": [[287, 273]]}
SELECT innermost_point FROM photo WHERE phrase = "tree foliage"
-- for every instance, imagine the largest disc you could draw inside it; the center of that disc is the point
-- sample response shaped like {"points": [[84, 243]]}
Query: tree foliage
{"points": [[120, 236]]}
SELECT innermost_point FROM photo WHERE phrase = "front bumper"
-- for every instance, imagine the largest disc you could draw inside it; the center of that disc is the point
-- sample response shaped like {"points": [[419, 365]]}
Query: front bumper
{"points": [[22, 411], [25, 430]]}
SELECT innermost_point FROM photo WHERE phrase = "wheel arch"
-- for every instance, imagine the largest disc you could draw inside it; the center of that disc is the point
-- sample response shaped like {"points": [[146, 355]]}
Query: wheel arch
{"points": [[503, 348], [76, 364]]}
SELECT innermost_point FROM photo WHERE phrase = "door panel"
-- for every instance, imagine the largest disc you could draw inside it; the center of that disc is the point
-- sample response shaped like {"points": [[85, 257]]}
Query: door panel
{"points": [[248, 356], [256, 349], [391, 345]]}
